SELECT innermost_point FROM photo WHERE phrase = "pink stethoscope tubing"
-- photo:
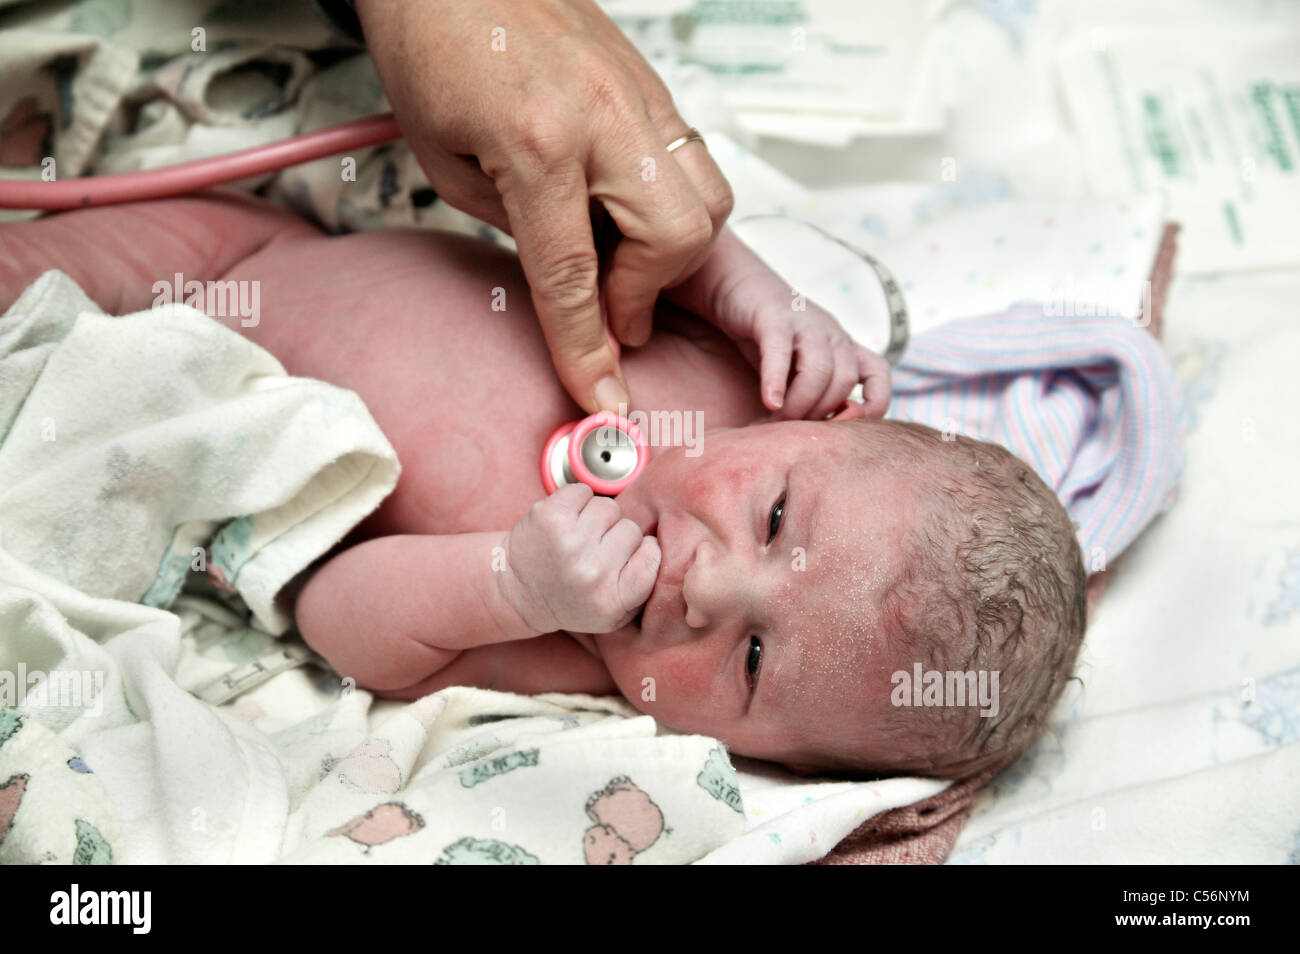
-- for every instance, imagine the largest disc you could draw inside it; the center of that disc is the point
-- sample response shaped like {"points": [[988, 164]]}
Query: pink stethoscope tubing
{"points": [[201, 173]]}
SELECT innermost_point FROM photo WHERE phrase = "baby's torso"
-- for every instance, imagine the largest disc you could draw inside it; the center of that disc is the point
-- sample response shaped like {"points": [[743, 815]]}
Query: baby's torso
{"points": [[466, 393]]}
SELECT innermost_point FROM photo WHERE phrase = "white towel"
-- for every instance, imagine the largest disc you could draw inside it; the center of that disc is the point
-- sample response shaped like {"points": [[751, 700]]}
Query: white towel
{"points": [[128, 441]]}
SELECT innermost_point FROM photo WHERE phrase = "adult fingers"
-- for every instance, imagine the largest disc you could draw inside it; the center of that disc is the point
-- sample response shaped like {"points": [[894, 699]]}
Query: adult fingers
{"points": [[700, 169], [547, 208], [463, 185], [665, 227]]}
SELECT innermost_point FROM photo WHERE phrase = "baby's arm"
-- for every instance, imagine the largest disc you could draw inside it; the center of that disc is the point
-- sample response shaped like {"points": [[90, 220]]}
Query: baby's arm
{"points": [[392, 611], [116, 253]]}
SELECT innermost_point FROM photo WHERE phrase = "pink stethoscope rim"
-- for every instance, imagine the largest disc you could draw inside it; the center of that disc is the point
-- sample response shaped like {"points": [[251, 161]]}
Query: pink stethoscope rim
{"points": [[576, 432]]}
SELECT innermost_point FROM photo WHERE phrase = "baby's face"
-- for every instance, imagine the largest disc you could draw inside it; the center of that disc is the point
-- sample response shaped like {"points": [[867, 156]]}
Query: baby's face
{"points": [[762, 630]]}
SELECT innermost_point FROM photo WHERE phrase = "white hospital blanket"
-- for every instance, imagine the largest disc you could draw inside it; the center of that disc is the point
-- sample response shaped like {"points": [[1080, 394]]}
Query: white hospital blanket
{"points": [[128, 441]]}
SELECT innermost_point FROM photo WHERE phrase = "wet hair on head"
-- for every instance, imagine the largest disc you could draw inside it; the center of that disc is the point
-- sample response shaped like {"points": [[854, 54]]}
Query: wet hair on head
{"points": [[994, 581]]}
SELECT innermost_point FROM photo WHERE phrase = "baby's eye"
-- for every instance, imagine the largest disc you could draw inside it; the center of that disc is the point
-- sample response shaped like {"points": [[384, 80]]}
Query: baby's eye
{"points": [[753, 659], [774, 521]]}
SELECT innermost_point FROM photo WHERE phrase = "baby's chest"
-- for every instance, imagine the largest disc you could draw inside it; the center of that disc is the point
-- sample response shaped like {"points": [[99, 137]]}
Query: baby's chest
{"points": [[467, 411]]}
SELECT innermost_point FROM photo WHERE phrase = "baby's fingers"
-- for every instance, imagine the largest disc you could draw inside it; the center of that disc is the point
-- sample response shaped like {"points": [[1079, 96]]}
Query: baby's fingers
{"points": [[774, 370], [813, 370], [637, 580], [873, 372], [844, 378], [568, 501]]}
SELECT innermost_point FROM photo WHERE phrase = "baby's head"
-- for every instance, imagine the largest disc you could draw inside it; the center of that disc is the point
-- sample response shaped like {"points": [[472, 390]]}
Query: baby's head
{"points": [[806, 564]]}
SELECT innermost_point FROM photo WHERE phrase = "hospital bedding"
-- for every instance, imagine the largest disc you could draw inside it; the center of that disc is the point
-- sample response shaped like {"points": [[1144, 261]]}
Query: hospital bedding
{"points": [[1193, 647], [1182, 744]]}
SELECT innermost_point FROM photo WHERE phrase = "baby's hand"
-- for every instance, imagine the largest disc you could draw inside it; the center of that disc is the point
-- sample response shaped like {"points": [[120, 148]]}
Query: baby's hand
{"points": [[574, 564], [828, 364], [736, 291]]}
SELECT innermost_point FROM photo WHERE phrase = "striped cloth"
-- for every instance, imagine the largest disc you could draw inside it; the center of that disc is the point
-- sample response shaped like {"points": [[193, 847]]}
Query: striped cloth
{"points": [[1089, 402]]}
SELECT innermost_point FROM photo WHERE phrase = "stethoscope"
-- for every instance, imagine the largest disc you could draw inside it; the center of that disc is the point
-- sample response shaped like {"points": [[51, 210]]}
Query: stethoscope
{"points": [[605, 451]]}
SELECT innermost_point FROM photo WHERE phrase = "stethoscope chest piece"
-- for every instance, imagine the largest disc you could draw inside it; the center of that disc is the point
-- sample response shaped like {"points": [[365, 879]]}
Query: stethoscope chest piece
{"points": [[604, 451]]}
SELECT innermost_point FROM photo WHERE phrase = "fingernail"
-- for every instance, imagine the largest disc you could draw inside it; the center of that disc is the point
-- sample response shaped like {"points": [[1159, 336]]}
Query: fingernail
{"points": [[776, 399], [609, 394]]}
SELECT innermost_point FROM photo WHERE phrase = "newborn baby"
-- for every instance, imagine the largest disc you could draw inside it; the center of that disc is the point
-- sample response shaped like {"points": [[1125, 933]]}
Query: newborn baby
{"points": [[766, 585]]}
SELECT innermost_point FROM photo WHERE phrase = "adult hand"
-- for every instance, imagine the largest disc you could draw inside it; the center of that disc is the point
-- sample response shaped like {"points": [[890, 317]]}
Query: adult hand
{"points": [[522, 114]]}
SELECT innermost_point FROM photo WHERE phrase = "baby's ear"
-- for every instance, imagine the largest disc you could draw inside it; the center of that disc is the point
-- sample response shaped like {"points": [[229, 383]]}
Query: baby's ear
{"points": [[852, 410]]}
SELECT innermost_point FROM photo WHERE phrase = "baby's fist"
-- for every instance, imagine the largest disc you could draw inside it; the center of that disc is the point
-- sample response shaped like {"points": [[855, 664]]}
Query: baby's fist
{"points": [[575, 563]]}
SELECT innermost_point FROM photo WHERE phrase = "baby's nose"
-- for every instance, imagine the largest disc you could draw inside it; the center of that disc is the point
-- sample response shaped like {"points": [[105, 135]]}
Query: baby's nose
{"points": [[695, 619], [709, 588], [691, 596]]}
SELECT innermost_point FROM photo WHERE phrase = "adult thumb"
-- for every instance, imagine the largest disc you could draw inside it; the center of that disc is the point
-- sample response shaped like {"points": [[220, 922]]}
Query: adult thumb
{"points": [[587, 365], [558, 255]]}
